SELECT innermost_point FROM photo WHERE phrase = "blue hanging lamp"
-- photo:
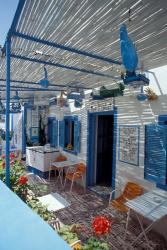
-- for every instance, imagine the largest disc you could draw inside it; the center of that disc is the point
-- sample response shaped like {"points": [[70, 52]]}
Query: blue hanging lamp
{"points": [[16, 106], [44, 82]]}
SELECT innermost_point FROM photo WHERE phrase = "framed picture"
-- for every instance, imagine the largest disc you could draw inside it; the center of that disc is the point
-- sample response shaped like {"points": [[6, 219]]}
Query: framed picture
{"points": [[129, 144], [34, 132]]}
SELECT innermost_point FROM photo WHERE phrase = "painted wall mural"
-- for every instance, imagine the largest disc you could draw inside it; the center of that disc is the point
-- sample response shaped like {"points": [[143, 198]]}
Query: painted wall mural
{"points": [[129, 144]]}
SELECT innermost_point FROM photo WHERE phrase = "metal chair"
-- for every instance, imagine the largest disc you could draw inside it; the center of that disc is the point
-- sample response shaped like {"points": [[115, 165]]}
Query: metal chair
{"points": [[131, 191], [77, 173]]}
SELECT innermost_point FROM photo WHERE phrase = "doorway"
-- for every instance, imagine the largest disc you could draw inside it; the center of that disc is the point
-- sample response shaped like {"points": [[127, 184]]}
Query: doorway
{"points": [[102, 148]]}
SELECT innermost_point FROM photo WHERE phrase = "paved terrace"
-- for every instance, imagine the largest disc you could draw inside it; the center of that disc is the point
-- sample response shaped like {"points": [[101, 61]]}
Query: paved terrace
{"points": [[85, 206]]}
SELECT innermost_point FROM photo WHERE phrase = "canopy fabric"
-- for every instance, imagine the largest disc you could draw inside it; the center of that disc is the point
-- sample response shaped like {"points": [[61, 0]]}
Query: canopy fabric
{"points": [[91, 26]]}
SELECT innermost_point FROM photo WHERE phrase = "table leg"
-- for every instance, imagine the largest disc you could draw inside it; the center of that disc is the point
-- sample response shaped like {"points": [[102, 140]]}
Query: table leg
{"points": [[60, 176], [127, 223], [144, 231]]}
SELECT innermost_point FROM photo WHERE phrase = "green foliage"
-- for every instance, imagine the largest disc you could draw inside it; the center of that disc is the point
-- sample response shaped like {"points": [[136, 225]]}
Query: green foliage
{"points": [[104, 92], [40, 209], [16, 171], [66, 233], [95, 244]]}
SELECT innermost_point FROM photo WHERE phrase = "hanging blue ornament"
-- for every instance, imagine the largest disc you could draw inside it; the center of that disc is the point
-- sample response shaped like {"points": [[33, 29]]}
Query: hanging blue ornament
{"points": [[44, 82], [130, 60]]}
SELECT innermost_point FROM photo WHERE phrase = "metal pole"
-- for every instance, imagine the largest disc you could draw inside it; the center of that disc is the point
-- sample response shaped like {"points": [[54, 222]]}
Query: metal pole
{"points": [[12, 128], [7, 120]]}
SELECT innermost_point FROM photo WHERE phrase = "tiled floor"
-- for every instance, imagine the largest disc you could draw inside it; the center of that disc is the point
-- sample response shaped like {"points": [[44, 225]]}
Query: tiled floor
{"points": [[85, 206]]}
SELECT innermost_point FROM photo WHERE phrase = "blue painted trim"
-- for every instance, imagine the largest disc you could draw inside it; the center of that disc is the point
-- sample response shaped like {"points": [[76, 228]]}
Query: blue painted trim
{"points": [[90, 145], [70, 118], [63, 66], [67, 48], [90, 149], [33, 170], [115, 113], [52, 85], [137, 164], [7, 121]]}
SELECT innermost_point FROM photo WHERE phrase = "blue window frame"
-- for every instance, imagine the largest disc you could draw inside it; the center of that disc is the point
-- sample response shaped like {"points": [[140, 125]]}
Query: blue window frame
{"points": [[69, 134]]}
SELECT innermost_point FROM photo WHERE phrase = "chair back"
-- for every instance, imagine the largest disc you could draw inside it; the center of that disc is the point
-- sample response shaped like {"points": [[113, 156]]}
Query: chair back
{"points": [[132, 190], [81, 168]]}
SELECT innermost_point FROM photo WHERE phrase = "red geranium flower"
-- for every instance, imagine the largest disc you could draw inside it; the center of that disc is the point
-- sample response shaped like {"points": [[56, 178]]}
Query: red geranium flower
{"points": [[23, 180], [12, 162], [3, 164], [3, 156], [101, 225], [12, 155]]}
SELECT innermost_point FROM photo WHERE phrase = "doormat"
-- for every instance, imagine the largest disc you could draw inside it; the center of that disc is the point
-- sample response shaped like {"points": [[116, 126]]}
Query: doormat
{"points": [[54, 201], [102, 191]]}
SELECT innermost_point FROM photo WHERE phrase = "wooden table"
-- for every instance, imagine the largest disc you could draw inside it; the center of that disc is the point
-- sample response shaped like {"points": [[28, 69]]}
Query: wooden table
{"points": [[151, 205]]}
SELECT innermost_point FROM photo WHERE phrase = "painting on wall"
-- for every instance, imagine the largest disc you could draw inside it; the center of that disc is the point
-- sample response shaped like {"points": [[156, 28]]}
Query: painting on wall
{"points": [[129, 144]]}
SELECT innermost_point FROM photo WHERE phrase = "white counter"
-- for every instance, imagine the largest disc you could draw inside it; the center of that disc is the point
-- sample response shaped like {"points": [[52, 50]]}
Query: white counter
{"points": [[40, 157]]}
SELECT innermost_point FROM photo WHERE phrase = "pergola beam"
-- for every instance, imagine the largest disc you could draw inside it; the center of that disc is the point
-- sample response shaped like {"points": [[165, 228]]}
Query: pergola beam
{"points": [[14, 88], [16, 18], [67, 48], [52, 85], [63, 66]]}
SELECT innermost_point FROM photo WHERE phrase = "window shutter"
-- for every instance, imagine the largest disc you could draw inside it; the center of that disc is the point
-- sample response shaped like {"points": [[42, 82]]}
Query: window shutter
{"points": [[77, 132], [155, 168], [61, 133], [49, 129], [54, 133]]}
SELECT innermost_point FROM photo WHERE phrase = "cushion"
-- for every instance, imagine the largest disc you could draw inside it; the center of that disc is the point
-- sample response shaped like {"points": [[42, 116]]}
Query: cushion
{"points": [[61, 158]]}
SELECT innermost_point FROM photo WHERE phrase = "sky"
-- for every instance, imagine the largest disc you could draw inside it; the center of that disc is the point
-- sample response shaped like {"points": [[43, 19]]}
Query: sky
{"points": [[8, 8]]}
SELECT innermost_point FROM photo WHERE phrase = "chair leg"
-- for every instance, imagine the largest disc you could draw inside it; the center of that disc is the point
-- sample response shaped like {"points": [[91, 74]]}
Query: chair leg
{"points": [[110, 199], [71, 185], [127, 223], [65, 182], [83, 183], [49, 173]]}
